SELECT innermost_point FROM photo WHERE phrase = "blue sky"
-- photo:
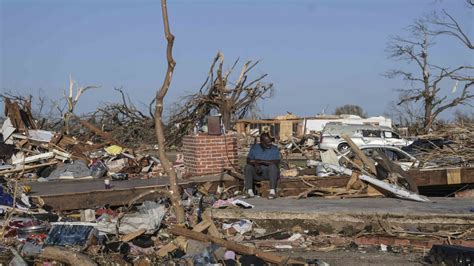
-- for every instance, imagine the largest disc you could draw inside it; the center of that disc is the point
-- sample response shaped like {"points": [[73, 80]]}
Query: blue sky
{"points": [[318, 54]]}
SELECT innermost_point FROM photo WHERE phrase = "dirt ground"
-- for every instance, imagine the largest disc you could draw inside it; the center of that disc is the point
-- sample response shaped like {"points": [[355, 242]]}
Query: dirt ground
{"points": [[363, 257]]}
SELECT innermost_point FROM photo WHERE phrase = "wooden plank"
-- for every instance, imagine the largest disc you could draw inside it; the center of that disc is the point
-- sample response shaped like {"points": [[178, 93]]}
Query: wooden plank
{"points": [[34, 158], [431, 177], [332, 181], [99, 132], [112, 197], [181, 241], [467, 175], [133, 235], [213, 231], [290, 186], [26, 168], [239, 248], [352, 180], [453, 176], [286, 130], [68, 256], [166, 249], [367, 162]]}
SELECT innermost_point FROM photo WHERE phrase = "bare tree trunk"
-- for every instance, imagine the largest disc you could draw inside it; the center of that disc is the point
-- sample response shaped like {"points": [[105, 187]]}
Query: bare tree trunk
{"points": [[226, 113], [67, 118], [428, 117], [159, 128]]}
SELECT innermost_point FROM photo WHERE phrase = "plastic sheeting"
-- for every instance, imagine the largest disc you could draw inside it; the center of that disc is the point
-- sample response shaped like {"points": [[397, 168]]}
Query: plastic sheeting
{"points": [[149, 217]]}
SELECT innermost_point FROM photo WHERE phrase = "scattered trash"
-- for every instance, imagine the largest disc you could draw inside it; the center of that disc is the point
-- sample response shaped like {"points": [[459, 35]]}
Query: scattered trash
{"points": [[148, 217], [87, 215], [28, 231], [136, 232], [114, 150], [242, 226], [98, 168], [242, 204]]}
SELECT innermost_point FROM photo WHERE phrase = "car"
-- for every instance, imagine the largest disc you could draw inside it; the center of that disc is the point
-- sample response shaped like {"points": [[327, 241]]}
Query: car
{"points": [[426, 145], [331, 136], [397, 155]]}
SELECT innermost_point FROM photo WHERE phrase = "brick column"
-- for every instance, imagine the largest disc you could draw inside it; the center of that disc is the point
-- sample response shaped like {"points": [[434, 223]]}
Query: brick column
{"points": [[207, 154]]}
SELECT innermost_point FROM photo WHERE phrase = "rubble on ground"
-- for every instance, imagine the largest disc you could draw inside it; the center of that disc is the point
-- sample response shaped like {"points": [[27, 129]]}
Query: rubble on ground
{"points": [[145, 232], [29, 153], [450, 145]]}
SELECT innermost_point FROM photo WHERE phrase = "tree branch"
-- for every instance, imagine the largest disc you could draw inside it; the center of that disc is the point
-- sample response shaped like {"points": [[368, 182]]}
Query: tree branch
{"points": [[159, 128], [452, 28]]}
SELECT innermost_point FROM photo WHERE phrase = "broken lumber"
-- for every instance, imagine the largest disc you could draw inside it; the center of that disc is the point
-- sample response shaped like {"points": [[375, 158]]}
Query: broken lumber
{"points": [[66, 256], [239, 248], [34, 158], [99, 132], [393, 169], [26, 168], [367, 162], [130, 236], [180, 241]]}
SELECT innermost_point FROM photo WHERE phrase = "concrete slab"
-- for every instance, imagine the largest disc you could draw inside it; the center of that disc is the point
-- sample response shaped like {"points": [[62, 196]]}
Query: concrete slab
{"points": [[358, 214]]}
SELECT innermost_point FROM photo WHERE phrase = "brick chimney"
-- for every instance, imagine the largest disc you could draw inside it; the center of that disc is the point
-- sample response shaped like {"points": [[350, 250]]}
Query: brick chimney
{"points": [[209, 154]]}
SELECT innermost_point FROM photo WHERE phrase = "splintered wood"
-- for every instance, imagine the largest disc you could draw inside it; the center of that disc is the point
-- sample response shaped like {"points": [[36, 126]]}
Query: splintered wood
{"points": [[457, 149], [239, 248]]}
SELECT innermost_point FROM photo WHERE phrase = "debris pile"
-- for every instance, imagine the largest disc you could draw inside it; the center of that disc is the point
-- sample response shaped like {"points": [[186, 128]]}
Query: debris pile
{"points": [[381, 177], [137, 233], [36, 154], [144, 230], [451, 145]]}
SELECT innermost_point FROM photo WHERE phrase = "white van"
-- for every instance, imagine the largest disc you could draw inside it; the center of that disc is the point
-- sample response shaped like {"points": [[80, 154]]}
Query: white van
{"points": [[331, 136]]}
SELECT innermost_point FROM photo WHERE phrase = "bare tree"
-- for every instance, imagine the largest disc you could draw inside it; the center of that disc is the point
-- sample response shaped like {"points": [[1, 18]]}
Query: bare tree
{"points": [[350, 109], [159, 127], [125, 121], [72, 101], [233, 100], [426, 82]]}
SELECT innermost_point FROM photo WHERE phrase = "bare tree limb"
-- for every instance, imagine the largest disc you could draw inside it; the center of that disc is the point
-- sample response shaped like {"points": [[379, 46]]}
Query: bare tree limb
{"points": [[452, 28]]}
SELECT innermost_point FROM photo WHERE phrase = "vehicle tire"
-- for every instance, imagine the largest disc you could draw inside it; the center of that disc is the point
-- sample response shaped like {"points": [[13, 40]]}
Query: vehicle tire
{"points": [[343, 147]]}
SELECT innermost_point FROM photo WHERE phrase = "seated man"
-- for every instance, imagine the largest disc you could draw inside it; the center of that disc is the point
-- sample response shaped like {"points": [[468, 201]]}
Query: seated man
{"points": [[262, 164]]}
